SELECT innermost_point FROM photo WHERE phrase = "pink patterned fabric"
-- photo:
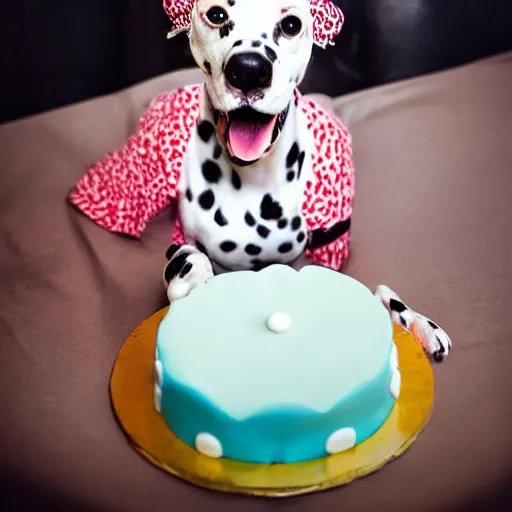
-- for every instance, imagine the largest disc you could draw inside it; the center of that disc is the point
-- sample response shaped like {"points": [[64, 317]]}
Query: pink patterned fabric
{"points": [[327, 19], [122, 192], [179, 11]]}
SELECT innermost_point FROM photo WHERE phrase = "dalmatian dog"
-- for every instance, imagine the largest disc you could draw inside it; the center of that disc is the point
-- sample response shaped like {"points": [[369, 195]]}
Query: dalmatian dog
{"points": [[261, 175], [254, 56]]}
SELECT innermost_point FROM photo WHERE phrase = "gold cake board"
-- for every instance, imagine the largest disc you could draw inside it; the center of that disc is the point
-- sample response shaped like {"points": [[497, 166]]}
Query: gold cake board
{"points": [[132, 397]]}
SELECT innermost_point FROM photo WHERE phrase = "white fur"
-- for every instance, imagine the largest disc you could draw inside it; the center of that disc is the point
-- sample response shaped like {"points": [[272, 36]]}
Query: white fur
{"points": [[267, 175]]}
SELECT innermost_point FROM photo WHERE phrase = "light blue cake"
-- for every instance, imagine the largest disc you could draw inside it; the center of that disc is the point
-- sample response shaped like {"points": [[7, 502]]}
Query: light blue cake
{"points": [[276, 366]]}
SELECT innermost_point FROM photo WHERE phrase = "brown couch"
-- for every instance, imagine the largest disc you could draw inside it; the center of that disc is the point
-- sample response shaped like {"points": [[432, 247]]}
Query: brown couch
{"points": [[432, 219]]}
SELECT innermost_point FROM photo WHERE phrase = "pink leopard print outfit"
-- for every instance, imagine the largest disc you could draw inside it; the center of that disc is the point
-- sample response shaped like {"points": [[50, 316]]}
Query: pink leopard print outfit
{"points": [[122, 192]]}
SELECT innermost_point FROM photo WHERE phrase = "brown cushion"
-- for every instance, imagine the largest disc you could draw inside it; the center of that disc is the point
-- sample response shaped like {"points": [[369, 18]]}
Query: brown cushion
{"points": [[431, 220]]}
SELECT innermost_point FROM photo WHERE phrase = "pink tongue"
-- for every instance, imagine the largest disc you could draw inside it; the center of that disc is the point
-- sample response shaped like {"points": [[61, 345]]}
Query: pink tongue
{"points": [[248, 141]]}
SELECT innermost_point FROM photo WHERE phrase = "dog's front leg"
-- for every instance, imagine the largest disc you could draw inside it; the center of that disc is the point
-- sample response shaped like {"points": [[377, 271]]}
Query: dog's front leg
{"points": [[186, 268]]}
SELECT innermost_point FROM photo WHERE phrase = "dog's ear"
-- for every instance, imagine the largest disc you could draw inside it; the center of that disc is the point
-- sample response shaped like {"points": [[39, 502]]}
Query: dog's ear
{"points": [[327, 21], [179, 12]]}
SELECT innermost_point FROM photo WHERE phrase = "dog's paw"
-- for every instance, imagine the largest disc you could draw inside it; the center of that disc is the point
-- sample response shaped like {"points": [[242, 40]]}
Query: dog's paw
{"points": [[436, 342], [431, 337], [186, 268]]}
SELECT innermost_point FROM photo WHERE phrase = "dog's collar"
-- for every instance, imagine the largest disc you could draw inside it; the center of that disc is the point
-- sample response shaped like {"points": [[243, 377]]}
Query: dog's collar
{"points": [[321, 237], [327, 17]]}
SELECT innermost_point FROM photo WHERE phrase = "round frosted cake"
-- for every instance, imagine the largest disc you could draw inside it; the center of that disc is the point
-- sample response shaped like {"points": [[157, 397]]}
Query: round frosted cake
{"points": [[276, 366]]}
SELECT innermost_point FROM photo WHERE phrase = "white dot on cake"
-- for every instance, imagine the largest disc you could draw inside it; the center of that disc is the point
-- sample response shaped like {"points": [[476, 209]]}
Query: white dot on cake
{"points": [[395, 384], [158, 398], [208, 445], [340, 440], [279, 322], [394, 357], [158, 373]]}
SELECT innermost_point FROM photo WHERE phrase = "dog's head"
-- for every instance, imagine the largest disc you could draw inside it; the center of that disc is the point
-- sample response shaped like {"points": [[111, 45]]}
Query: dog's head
{"points": [[254, 54]]}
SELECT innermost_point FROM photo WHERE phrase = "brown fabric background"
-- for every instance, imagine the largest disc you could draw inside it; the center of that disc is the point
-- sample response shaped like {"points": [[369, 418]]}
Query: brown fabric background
{"points": [[432, 220]]}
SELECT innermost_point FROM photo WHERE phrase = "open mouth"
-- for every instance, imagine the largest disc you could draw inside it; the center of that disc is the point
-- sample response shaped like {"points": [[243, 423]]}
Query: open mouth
{"points": [[249, 134]]}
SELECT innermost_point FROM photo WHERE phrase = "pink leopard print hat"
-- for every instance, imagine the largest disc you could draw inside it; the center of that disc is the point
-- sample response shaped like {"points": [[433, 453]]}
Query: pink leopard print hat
{"points": [[327, 19]]}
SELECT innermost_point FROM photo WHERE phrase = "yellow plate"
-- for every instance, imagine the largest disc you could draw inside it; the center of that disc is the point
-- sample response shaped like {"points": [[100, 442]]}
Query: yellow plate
{"points": [[132, 397]]}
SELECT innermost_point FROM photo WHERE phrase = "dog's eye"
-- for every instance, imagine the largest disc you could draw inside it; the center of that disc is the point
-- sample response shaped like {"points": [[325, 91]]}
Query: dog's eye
{"points": [[217, 15], [291, 26]]}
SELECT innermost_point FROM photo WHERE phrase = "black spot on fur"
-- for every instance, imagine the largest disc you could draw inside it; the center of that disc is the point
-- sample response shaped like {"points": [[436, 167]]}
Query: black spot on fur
{"points": [[271, 54], [235, 180], [300, 237], [186, 269], [206, 199], [252, 250], [293, 155], [188, 194], [264, 36], [208, 67], [211, 171], [282, 223], [301, 161], [202, 248], [270, 209], [290, 176], [171, 251], [263, 231], [432, 324], [226, 29], [256, 44], [217, 151], [228, 246], [249, 219], [284, 248], [237, 43], [175, 266], [231, 2], [397, 306], [276, 34], [205, 130], [296, 222], [219, 218], [275, 133]]}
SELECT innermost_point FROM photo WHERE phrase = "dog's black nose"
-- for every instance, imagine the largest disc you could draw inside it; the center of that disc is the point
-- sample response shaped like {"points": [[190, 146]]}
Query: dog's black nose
{"points": [[248, 71]]}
